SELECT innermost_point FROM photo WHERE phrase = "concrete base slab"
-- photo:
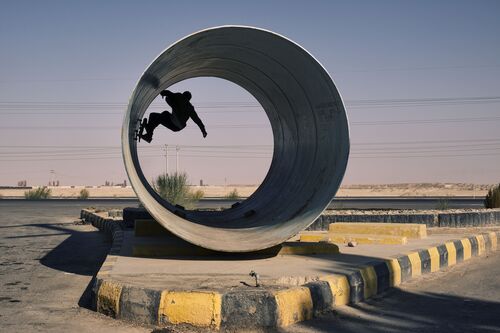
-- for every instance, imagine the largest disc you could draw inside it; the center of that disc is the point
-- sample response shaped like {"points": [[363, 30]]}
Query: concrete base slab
{"points": [[170, 246], [216, 292], [215, 272]]}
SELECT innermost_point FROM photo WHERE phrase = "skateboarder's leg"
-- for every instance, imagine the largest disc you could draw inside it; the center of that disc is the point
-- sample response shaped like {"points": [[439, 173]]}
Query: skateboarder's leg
{"points": [[153, 122], [150, 125], [167, 121], [155, 119]]}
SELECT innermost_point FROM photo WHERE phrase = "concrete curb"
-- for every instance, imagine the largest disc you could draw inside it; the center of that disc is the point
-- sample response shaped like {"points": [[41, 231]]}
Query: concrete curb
{"points": [[477, 218], [257, 308]]}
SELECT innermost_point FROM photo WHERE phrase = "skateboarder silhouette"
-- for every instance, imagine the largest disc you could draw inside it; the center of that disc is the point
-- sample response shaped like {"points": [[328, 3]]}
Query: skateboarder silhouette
{"points": [[182, 110]]}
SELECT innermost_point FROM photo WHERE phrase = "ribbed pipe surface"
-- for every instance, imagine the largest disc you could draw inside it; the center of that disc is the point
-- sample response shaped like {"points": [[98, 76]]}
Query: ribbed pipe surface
{"points": [[310, 131]]}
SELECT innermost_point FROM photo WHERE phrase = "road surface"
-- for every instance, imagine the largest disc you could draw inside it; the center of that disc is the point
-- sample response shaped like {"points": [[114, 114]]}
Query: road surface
{"points": [[463, 298], [338, 203]]}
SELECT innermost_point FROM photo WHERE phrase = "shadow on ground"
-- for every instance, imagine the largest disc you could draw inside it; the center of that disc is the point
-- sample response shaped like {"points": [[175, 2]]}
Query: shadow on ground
{"points": [[401, 311], [82, 253]]}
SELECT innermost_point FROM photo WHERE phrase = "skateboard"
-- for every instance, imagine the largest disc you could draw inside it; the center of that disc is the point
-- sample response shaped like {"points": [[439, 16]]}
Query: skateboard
{"points": [[140, 130]]}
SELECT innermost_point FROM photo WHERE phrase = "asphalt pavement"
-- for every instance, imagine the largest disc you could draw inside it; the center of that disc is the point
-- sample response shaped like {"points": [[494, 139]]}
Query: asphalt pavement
{"points": [[47, 262], [337, 203], [463, 298]]}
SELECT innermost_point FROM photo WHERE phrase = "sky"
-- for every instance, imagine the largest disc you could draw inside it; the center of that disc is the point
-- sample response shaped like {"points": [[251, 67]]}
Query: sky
{"points": [[420, 80]]}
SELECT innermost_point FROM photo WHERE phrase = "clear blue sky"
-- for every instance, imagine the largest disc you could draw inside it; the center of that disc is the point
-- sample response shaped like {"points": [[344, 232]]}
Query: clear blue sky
{"points": [[81, 59]]}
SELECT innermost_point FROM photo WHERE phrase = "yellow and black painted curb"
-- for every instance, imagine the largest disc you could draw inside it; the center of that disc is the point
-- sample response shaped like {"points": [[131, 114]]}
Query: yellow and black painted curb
{"points": [[260, 307]]}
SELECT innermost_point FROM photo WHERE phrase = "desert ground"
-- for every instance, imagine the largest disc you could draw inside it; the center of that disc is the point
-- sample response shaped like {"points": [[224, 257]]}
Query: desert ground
{"points": [[216, 191]]}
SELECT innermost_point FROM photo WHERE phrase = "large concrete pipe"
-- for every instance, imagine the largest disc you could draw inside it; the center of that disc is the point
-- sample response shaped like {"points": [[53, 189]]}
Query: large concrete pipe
{"points": [[310, 130]]}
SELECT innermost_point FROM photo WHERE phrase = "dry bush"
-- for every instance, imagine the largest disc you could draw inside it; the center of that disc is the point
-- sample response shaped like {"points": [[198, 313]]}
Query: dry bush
{"points": [[174, 188], [233, 195], [38, 193], [84, 194]]}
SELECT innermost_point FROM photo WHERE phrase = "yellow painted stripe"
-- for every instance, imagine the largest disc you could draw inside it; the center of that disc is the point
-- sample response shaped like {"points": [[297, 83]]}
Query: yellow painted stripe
{"points": [[339, 285], [435, 261], [394, 271], [370, 281], [467, 248], [323, 237], [108, 298], [481, 245], [493, 239], [201, 309], [410, 230], [293, 305], [452, 253], [416, 264]]}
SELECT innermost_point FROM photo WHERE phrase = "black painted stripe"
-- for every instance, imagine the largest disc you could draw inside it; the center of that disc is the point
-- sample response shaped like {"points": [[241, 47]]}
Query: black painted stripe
{"points": [[443, 256], [474, 245], [425, 261], [405, 264], [383, 275], [145, 310], [460, 250], [249, 309], [321, 295], [487, 242], [357, 287]]}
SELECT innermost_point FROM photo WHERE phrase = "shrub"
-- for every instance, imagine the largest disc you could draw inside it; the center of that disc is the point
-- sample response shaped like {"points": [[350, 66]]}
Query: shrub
{"points": [[38, 193], [197, 195], [174, 188], [84, 194], [492, 199], [233, 195]]}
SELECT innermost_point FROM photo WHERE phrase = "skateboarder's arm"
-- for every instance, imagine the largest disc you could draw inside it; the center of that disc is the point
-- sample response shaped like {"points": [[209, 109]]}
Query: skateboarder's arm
{"points": [[167, 93], [198, 122]]}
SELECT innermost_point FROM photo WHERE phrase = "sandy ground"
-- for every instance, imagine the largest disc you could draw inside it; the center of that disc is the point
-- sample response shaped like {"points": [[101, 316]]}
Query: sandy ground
{"points": [[212, 191]]}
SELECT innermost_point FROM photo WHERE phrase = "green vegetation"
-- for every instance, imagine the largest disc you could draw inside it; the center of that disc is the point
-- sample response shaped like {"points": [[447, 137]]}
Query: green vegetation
{"points": [[233, 195], [492, 199], [38, 193], [174, 188], [84, 194], [197, 195]]}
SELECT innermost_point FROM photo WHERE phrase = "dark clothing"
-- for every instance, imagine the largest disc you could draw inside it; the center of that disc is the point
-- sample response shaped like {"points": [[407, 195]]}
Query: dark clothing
{"points": [[182, 110]]}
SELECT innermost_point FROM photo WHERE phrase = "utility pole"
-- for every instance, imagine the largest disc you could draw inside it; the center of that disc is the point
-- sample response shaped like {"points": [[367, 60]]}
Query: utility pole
{"points": [[177, 159], [52, 177], [166, 159]]}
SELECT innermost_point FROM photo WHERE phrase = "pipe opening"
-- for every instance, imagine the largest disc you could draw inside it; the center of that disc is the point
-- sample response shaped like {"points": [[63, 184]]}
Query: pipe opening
{"points": [[309, 125]]}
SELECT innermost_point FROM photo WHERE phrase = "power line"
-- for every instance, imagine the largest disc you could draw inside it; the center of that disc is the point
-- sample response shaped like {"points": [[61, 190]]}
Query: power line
{"points": [[381, 157], [49, 107], [387, 69], [246, 146], [261, 126]]}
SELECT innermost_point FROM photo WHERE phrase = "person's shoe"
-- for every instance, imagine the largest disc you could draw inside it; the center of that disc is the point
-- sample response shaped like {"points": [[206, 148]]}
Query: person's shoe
{"points": [[147, 137]]}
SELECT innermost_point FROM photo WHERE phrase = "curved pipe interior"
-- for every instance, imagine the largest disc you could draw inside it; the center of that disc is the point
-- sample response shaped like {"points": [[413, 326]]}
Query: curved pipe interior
{"points": [[310, 131]]}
